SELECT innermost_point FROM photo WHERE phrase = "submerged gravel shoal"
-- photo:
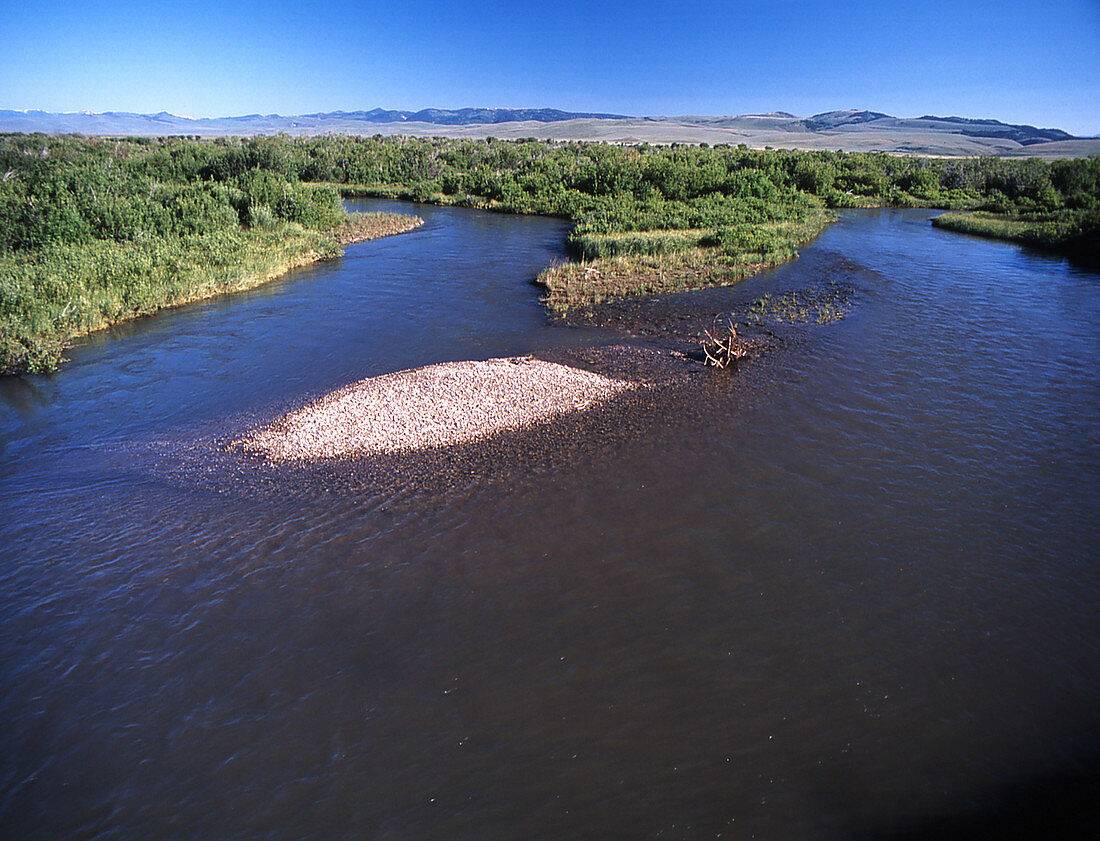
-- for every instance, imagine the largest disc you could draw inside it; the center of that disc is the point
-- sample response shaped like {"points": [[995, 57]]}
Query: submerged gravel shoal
{"points": [[435, 406]]}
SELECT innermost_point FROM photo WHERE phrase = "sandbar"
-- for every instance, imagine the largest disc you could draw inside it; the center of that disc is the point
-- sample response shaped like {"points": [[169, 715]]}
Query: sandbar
{"points": [[434, 406]]}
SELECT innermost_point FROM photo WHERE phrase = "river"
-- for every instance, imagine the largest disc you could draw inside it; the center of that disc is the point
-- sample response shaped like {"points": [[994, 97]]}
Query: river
{"points": [[849, 591]]}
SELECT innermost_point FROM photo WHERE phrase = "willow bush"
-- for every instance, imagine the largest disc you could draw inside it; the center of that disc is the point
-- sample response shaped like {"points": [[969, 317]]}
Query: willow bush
{"points": [[93, 230]]}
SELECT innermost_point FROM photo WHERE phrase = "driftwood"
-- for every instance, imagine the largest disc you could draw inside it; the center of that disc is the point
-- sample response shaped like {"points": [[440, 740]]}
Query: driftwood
{"points": [[725, 349]]}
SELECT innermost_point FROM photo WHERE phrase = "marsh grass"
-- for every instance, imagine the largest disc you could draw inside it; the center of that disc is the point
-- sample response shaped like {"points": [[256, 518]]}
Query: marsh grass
{"points": [[1063, 230], [580, 285], [596, 246], [68, 290], [818, 304], [674, 261]]}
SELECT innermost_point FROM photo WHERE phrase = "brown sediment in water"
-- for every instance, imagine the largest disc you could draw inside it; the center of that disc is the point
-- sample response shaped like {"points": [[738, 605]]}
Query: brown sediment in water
{"points": [[431, 407]]}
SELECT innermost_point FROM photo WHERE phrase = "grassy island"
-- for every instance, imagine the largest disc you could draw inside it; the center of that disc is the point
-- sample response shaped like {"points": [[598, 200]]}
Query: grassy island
{"points": [[618, 265], [94, 231]]}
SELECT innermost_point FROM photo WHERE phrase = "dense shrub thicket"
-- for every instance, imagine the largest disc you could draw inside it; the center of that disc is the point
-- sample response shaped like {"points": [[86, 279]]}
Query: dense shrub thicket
{"points": [[71, 190], [609, 189], [95, 230]]}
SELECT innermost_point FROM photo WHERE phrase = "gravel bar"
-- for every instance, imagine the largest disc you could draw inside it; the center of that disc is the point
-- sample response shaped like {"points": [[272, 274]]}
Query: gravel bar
{"points": [[435, 406]]}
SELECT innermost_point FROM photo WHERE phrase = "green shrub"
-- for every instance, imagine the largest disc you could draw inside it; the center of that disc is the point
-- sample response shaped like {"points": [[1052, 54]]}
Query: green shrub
{"points": [[260, 216], [311, 206]]}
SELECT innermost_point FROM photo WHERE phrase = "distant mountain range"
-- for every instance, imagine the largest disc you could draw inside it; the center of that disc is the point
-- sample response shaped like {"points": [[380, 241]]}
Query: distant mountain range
{"points": [[162, 123], [465, 116], [852, 130], [837, 122], [1022, 134]]}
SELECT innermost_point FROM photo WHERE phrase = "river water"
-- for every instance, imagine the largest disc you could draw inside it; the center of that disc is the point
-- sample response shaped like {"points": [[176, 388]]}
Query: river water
{"points": [[849, 591]]}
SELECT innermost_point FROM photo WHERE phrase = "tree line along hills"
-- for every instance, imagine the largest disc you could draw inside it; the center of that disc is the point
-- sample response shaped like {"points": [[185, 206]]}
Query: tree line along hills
{"points": [[96, 230]]}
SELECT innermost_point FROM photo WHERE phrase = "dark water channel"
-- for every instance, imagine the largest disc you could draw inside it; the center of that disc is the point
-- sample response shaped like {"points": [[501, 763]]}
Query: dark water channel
{"points": [[848, 592]]}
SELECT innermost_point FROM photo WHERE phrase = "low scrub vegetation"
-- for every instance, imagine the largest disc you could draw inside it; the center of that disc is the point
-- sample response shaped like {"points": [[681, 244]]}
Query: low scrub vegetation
{"points": [[93, 230], [654, 212]]}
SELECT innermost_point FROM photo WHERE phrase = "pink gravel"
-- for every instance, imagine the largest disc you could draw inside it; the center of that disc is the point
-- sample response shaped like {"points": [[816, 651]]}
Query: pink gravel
{"points": [[435, 406]]}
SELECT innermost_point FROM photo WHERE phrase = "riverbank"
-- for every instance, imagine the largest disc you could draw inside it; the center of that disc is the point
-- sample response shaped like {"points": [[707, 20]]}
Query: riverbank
{"points": [[1074, 233], [70, 290], [615, 264], [93, 234]]}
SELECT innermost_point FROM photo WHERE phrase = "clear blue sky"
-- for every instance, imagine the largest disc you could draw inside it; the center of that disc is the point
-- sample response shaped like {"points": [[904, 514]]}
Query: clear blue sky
{"points": [[1036, 61]]}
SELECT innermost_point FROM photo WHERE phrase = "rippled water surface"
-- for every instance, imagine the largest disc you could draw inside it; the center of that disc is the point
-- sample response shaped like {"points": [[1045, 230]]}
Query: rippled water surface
{"points": [[843, 593]]}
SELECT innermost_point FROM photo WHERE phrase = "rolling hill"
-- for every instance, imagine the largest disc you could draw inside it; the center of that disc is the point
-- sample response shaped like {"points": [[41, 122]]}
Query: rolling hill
{"points": [[849, 130]]}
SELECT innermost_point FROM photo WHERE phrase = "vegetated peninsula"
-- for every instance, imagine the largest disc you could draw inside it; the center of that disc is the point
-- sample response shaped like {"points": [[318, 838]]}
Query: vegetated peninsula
{"points": [[93, 231]]}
